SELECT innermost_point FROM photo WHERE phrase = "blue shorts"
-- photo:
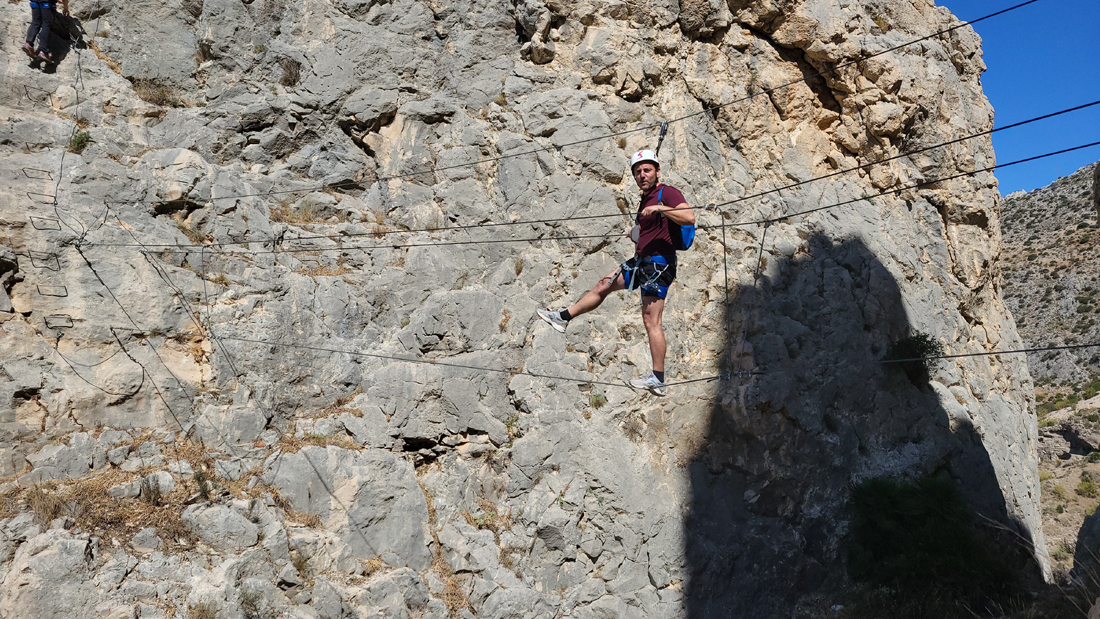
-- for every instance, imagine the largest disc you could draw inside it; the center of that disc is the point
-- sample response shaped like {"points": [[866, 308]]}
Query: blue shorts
{"points": [[651, 274]]}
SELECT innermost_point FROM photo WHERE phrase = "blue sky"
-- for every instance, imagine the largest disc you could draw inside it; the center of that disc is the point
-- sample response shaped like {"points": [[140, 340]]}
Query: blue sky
{"points": [[1041, 58]]}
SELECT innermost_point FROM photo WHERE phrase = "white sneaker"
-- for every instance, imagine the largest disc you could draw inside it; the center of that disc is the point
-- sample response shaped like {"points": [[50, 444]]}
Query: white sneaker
{"points": [[554, 319], [651, 383]]}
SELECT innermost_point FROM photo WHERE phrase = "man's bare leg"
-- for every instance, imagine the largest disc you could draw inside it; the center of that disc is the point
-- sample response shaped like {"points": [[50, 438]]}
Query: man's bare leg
{"points": [[652, 310], [593, 298]]}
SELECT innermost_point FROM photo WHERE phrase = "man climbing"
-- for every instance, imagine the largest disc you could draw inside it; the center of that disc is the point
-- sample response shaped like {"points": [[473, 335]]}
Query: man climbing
{"points": [[651, 270], [43, 17]]}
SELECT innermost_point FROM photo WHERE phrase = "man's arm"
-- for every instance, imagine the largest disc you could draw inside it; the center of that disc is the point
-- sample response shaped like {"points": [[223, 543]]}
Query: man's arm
{"points": [[681, 214], [65, 7]]}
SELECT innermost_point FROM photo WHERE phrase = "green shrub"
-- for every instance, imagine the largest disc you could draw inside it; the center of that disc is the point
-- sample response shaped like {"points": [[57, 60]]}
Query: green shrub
{"points": [[912, 354], [919, 542], [1094, 456], [79, 141], [1087, 488]]}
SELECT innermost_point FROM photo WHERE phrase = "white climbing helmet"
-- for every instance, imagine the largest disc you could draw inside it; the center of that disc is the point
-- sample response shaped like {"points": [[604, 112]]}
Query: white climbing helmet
{"points": [[644, 155]]}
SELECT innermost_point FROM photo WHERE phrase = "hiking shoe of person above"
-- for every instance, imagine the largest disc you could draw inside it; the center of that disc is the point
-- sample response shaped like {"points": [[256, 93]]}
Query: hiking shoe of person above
{"points": [[28, 49], [44, 57], [554, 320], [650, 383]]}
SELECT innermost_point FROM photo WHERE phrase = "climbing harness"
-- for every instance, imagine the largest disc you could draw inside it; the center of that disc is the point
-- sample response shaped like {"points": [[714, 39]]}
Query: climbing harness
{"points": [[634, 270]]}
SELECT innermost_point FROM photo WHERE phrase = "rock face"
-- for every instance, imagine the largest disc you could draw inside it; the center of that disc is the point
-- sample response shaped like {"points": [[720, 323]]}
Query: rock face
{"points": [[235, 274]]}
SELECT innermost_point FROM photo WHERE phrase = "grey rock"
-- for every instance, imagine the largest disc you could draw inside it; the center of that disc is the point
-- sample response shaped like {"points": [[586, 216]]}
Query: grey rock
{"points": [[51, 577], [370, 108], [228, 427], [388, 512], [220, 527], [118, 455], [147, 455], [58, 462], [146, 540], [128, 490], [182, 468], [289, 577], [109, 439], [20, 528]]}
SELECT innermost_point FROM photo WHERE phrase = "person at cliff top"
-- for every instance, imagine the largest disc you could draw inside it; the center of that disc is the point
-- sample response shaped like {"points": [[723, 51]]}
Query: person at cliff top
{"points": [[43, 17], [651, 270]]}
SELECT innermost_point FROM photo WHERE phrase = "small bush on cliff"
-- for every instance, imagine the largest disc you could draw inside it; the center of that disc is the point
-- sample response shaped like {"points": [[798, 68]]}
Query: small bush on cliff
{"points": [[79, 142], [292, 72], [1087, 487], [912, 353], [919, 545]]}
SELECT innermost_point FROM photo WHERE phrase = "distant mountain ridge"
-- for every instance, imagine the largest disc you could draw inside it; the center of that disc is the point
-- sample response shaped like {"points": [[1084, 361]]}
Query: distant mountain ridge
{"points": [[1051, 279]]}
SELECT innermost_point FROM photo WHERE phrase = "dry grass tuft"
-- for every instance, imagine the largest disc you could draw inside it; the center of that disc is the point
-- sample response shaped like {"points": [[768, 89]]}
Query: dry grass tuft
{"points": [[193, 345], [453, 595], [491, 518], [325, 271], [157, 94], [292, 72], [338, 406], [150, 493], [46, 503], [373, 566], [503, 326], [292, 444], [286, 213], [98, 513], [300, 562], [202, 610], [312, 521], [195, 453], [192, 234], [9, 502]]}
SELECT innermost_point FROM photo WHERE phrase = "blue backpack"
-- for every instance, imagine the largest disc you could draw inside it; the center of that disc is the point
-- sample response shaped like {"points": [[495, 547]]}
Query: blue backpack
{"points": [[682, 235]]}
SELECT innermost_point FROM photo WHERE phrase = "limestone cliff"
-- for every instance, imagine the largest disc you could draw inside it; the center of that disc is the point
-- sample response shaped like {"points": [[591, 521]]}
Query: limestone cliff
{"points": [[220, 396]]}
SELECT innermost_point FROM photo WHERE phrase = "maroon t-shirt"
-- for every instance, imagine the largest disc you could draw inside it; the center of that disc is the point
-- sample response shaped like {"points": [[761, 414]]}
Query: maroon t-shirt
{"points": [[654, 238]]}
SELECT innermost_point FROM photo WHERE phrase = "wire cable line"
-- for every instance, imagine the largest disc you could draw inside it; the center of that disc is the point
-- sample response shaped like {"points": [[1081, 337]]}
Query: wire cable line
{"points": [[586, 381], [1018, 351], [462, 366], [571, 237], [1022, 123], [925, 183], [718, 206], [90, 383], [648, 127]]}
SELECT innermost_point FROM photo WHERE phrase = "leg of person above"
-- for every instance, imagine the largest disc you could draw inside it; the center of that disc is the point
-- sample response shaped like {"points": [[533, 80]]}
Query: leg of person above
{"points": [[652, 311], [44, 33], [590, 301], [32, 32]]}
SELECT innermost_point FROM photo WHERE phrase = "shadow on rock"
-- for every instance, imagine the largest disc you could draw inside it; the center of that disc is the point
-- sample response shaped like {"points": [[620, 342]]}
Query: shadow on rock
{"points": [[772, 480]]}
